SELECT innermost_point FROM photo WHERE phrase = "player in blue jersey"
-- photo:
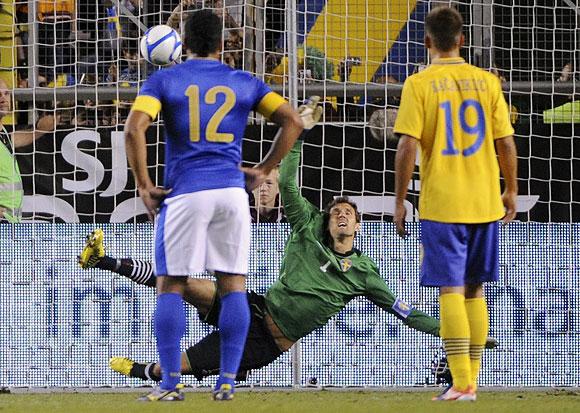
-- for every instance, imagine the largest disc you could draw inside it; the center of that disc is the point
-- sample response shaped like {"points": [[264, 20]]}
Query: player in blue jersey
{"points": [[202, 216]]}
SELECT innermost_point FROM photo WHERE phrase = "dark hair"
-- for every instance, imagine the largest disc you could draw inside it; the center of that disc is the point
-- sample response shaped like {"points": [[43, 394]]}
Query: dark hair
{"points": [[444, 25], [203, 33], [130, 46], [339, 200], [342, 200]]}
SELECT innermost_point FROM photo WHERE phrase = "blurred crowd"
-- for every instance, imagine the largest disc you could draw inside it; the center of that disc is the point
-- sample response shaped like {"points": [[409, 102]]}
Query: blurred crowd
{"points": [[88, 42], [92, 43], [97, 43]]}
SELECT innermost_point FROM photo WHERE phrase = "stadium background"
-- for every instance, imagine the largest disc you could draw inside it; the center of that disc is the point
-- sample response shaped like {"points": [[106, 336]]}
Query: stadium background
{"points": [[74, 60]]}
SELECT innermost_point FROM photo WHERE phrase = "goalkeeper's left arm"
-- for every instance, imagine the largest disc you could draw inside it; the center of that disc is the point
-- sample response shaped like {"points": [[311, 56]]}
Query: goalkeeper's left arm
{"points": [[380, 294]]}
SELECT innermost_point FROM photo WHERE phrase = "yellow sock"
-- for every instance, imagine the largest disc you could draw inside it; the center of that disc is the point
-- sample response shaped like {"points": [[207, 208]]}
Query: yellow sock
{"points": [[479, 326], [455, 334]]}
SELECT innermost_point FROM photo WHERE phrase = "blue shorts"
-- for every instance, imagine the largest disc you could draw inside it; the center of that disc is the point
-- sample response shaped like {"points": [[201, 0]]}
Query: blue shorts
{"points": [[459, 254]]}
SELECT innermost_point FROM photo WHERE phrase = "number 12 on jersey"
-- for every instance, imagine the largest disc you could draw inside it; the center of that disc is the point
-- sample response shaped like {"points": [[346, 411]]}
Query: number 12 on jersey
{"points": [[477, 129], [210, 98]]}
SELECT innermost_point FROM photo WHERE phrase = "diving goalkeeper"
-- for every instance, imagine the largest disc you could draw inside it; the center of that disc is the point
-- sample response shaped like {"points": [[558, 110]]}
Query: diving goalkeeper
{"points": [[320, 273]]}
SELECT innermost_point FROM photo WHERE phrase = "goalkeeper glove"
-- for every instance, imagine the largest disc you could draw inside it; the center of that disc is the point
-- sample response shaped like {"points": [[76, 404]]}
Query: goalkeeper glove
{"points": [[310, 112]]}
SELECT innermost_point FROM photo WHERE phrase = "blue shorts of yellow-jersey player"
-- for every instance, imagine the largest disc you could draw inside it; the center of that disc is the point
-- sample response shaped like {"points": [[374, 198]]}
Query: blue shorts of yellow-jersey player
{"points": [[459, 254]]}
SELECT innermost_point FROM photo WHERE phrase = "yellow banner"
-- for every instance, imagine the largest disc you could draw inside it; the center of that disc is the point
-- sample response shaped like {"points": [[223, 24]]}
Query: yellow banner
{"points": [[364, 29]]}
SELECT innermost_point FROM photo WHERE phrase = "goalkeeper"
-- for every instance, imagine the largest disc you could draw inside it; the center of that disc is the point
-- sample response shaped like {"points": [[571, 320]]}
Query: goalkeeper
{"points": [[320, 273]]}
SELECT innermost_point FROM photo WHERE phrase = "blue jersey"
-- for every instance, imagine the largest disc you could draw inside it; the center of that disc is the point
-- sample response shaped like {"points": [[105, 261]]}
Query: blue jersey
{"points": [[205, 106]]}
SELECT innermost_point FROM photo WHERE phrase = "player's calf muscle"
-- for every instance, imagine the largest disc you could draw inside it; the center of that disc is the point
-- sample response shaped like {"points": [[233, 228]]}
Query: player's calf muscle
{"points": [[166, 284], [227, 283], [474, 290], [200, 293]]}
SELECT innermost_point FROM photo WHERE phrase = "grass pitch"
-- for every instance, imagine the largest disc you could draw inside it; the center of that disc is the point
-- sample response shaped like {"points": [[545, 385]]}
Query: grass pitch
{"points": [[295, 401]]}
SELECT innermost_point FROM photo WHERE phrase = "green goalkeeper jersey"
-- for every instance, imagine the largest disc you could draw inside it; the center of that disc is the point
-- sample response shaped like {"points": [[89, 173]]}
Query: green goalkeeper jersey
{"points": [[315, 282]]}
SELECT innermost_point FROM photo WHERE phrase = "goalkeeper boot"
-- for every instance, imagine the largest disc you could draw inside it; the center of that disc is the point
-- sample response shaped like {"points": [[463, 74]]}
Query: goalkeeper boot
{"points": [[94, 249], [224, 393], [160, 395], [130, 368], [122, 365], [452, 394]]}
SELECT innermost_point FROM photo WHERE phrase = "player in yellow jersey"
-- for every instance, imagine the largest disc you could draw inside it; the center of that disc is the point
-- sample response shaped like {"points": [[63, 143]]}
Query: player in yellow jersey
{"points": [[458, 116]]}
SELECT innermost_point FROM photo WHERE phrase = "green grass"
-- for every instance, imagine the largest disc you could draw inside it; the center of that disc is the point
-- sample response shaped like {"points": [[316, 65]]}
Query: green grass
{"points": [[281, 402]]}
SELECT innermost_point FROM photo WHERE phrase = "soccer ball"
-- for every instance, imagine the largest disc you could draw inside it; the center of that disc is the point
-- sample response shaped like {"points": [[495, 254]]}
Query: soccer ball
{"points": [[161, 45]]}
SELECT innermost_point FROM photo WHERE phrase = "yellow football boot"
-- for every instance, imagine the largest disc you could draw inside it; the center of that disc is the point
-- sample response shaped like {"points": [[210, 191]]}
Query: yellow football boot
{"points": [[94, 249], [121, 365]]}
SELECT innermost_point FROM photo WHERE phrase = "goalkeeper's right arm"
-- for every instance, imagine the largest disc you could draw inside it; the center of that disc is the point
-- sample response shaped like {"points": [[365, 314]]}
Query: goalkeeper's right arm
{"points": [[296, 208]]}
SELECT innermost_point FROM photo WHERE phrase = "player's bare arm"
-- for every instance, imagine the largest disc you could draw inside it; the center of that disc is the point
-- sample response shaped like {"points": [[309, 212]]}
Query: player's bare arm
{"points": [[22, 138], [508, 164], [46, 124], [404, 166], [135, 129], [178, 14]]}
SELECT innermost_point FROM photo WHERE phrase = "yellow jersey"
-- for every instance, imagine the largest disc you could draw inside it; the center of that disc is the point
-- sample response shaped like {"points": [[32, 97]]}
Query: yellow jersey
{"points": [[456, 111]]}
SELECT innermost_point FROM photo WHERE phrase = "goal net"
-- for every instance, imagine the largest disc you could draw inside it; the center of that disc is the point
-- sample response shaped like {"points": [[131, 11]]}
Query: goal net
{"points": [[79, 63]]}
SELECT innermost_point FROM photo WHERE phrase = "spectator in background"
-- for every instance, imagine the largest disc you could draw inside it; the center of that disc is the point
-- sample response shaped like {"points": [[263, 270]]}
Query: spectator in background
{"points": [[184, 8], [275, 24], [21, 39], [381, 124], [312, 64], [233, 40], [55, 26], [129, 29], [180, 13], [11, 191], [128, 74], [561, 108], [265, 204], [106, 113]]}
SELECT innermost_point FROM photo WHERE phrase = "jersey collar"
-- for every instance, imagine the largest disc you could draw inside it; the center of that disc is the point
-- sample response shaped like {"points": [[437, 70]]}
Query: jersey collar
{"points": [[448, 61], [347, 254], [203, 59]]}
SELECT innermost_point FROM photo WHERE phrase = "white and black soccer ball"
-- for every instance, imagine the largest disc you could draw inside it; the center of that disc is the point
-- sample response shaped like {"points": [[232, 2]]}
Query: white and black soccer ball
{"points": [[161, 45]]}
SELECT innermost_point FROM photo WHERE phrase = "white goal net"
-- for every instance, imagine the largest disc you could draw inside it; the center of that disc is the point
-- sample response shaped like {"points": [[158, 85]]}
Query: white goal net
{"points": [[78, 62]]}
